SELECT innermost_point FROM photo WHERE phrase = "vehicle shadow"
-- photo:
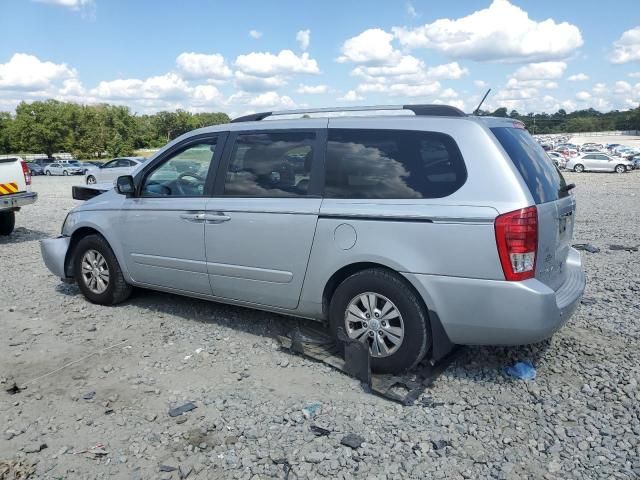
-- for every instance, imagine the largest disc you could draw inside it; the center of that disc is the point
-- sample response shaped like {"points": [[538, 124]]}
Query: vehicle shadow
{"points": [[21, 235]]}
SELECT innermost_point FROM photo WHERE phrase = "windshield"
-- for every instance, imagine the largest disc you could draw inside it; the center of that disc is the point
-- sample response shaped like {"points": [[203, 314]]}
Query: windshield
{"points": [[543, 178]]}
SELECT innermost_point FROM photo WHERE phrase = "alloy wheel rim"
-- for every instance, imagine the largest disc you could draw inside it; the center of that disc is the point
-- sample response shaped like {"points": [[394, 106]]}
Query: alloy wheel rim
{"points": [[95, 271], [375, 320]]}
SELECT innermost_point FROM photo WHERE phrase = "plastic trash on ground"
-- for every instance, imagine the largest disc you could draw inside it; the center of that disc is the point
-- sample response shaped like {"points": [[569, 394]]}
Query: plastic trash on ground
{"points": [[521, 370]]}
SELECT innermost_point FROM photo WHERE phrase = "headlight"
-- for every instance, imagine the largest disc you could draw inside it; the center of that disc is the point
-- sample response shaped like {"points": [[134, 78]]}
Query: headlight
{"points": [[69, 223]]}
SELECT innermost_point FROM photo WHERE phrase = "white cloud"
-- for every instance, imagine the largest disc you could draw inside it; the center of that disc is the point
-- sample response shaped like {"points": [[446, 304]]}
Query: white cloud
{"points": [[312, 89], [583, 96], [167, 87], [370, 46], [501, 32], [200, 65], [578, 77], [255, 34], [206, 93], [253, 83], [480, 83], [600, 88], [28, 72], [351, 96], [411, 10], [627, 47], [303, 37], [271, 99], [267, 64], [622, 87], [72, 4], [540, 71], [448, 93], [448, 71], [634, 75]]}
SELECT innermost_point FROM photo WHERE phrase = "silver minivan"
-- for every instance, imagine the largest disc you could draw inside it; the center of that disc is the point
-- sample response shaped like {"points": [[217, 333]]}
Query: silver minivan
{"points": [[410, 232]]}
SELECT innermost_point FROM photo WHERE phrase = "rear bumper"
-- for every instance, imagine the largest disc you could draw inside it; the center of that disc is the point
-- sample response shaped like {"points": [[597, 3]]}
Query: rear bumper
{"points": [[17, 200], [492, 312], [54, 253]]}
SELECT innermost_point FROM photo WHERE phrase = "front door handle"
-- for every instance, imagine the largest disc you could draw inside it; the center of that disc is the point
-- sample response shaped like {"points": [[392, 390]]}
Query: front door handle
{"points": [[193, 217], [216, 218]]}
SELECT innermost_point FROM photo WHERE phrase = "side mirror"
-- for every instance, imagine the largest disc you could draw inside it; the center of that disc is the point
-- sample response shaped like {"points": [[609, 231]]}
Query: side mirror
{"points": [[125, 185]]}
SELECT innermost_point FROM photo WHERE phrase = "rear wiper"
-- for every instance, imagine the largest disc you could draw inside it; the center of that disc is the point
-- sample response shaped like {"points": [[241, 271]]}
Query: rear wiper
{"points": [[567, 187]]}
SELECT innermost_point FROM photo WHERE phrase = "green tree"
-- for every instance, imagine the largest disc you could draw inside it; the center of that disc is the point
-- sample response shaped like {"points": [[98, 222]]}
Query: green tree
{"points": [[41, 126]]}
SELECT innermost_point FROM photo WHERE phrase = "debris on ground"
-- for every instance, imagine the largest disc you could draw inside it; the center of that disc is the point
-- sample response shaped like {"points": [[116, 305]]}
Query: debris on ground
{"points": [[319, 431], [89, 395], [35, 447], [14, 388], [522, 371], [311, 411], [352, 440], [168, 468], [628, 248], [187, 407], [587, 247], [440, 444]]}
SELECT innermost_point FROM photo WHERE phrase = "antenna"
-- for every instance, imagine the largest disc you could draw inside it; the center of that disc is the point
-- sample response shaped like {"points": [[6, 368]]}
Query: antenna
{"points": [[475, 112]]}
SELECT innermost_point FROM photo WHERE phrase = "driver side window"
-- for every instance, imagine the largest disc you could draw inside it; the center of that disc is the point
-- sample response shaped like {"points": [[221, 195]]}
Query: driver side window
{"points": [[183, 174]]}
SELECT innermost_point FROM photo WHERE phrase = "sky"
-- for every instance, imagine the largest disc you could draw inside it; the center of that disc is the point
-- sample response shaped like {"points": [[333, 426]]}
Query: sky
{"points": [[248, 56]]}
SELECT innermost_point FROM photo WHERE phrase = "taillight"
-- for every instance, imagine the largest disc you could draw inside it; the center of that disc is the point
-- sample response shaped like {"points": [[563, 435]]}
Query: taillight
{"points": [[26, 172], [517, 240]]}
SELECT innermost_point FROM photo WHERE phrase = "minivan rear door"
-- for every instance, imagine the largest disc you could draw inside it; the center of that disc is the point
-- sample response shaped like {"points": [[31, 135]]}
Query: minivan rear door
{"points": [[555, 204], [260, 223]]}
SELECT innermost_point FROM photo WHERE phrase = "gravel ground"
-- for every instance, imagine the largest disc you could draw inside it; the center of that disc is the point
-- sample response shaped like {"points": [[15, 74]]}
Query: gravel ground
{"points": [[578, 419]]}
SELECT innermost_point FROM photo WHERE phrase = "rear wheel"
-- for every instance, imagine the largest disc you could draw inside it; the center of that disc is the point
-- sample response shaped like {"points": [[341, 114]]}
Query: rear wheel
{"points": [[91, 180], [378, 308], [7, 222], [98, 273], [579, 168], [621, 169], [48, 172], [65, 173]]}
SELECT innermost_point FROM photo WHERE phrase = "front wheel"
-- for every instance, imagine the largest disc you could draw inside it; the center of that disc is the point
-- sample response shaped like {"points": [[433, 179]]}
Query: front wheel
{"points": [[621, 169], [91, 180], [378, 308], [579, 168], [7, 222], [97, 272], [65, 173], [48, 172]]}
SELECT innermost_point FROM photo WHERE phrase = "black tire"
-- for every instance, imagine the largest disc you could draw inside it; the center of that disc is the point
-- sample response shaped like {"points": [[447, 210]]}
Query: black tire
{"points": [[118, 290], [7, 222], [65, 173], [48, 172], [91, 180], [417, 339], [620, 169], [578, 168]]}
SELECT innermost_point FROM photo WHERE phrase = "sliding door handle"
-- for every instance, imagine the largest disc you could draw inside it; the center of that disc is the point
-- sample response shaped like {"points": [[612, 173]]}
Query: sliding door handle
{"points": [[216, 218]]}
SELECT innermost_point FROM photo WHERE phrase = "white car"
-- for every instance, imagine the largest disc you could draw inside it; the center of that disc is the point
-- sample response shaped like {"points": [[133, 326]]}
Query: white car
{"points": [[113, 169], [598, 162], [62, 168]]}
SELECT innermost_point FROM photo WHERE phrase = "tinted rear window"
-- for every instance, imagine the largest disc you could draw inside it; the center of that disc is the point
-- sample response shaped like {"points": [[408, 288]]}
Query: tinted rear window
{"points": [[540, 174], [392, 164]]}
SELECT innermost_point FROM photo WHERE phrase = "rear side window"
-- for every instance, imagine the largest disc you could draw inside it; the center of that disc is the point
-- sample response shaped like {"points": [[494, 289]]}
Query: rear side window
{"points": [[544, 180], [392, 164], [270, 164]]}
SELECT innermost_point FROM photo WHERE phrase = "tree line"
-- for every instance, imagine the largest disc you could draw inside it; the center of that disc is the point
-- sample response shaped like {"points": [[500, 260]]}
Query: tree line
{"points": [[93, 131], [96, 131], [589, 120]]}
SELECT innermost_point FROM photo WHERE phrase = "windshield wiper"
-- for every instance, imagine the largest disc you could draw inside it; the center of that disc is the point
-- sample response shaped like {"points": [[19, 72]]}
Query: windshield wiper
{"points": [[567, 187]]}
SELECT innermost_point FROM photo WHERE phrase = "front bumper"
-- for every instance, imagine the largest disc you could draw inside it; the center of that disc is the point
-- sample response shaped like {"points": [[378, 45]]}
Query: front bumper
{"points": [[493, 312], [17, 200], [54, 254]]}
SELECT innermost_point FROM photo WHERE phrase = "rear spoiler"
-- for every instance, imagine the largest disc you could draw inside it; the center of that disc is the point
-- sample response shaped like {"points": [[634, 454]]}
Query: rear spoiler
{"points": [[87, 192]]}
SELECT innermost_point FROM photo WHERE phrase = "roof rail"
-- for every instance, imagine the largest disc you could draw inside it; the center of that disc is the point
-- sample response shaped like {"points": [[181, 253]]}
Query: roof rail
{"points": [[422, 110]]}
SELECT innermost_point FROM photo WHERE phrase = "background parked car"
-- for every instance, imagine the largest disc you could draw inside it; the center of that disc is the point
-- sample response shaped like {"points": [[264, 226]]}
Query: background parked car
{"points": [[60, 168], [35, 168], [636, 162], [598, 162], [40, 163], [109, 171]]}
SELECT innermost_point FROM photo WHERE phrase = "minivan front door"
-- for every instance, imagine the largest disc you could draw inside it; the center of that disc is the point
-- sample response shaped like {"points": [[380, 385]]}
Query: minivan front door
{"points": [[163, 230], [260, 223]]}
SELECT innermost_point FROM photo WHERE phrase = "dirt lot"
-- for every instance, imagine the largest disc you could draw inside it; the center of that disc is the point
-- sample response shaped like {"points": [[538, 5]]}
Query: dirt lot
{"points": [[580, 418]]}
